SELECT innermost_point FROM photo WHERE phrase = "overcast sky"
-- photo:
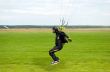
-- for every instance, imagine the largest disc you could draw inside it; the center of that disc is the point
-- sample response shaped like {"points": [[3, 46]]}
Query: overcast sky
{"points": [[49, 12]]}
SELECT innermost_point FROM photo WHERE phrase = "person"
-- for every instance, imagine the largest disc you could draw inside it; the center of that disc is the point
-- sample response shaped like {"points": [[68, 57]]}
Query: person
{"points": [[60, 40]]}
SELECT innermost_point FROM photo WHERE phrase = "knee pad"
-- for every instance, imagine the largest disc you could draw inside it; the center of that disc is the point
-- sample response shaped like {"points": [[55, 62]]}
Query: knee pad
{"points": [[51, 53]]}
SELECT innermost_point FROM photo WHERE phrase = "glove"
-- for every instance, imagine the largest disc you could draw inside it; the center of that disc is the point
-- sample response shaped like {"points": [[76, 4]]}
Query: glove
{"points": [[69, 40]]}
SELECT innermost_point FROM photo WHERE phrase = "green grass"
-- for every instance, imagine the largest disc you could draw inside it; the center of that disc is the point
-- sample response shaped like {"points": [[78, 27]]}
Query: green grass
{"points": [[28, 52]]}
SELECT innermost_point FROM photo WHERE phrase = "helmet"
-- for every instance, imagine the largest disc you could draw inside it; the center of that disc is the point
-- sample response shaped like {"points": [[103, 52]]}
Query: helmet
{"points": [[55, 28]]}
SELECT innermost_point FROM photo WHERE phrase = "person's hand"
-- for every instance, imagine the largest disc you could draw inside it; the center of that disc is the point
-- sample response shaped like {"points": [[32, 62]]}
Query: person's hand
{"points": [[69, 40]]}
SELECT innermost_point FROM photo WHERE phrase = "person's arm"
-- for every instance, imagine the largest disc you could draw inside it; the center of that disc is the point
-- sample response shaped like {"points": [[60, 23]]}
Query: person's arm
{"points": [[67, 37]]}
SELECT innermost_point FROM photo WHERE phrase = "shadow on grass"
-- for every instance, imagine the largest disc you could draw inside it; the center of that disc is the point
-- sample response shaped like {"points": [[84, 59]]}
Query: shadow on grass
{"points": [[45, 63], [41, 62]]}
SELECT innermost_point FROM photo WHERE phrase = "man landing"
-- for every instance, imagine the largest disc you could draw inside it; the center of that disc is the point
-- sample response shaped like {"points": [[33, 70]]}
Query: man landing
{"points": [[60, 40]]}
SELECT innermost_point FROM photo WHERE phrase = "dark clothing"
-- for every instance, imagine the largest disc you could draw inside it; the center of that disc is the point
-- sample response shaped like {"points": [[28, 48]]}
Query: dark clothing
{"points": [[61, 37], [60, 40], [53, 50]]}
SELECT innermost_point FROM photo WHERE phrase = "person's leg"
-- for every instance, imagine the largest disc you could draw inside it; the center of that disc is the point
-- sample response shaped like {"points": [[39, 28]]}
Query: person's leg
{"points": [[52, 53]]}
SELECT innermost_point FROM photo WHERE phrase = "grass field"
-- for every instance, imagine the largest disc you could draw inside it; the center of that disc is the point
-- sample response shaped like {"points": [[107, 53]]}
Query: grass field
{"points": [[27, 51]]}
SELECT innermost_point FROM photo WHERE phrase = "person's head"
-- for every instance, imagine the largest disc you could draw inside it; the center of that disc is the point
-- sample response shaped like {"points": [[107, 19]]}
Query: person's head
{"points": [[55, 29]]}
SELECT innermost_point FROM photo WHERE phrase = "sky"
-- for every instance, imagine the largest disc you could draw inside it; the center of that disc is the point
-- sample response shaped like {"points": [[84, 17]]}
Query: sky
{"points": [[49, 12]]}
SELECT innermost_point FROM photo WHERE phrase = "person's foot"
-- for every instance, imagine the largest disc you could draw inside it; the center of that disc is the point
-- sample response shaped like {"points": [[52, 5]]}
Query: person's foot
{"points": [[58, 59], [55, 62]]}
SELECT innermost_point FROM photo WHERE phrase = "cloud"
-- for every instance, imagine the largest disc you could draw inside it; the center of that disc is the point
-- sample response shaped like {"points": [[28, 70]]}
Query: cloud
{"points": [[106, 14], [36, 11], [37, 7], [79, 11]]}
